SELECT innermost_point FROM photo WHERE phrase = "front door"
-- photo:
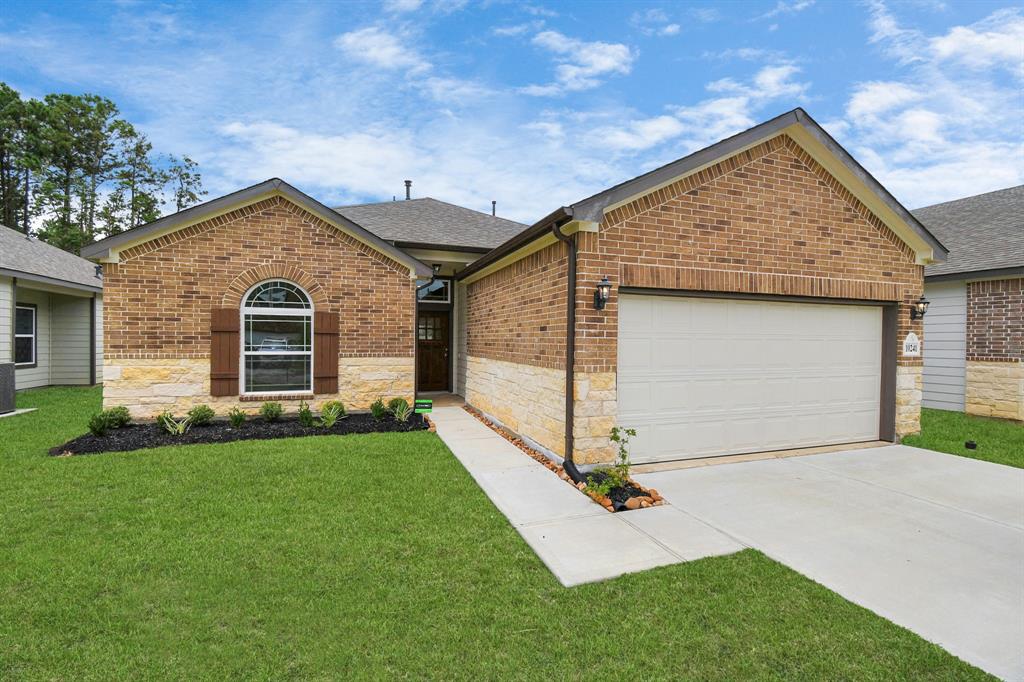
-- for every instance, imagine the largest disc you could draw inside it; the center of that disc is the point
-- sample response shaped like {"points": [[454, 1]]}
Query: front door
{"points": [[432, 341]]}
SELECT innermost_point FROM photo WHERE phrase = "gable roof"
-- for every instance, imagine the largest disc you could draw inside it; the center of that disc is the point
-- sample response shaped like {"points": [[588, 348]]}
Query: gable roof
{"points": [[427, 221], [108, 249], [803, 129], [983, 232], [28, 258]]}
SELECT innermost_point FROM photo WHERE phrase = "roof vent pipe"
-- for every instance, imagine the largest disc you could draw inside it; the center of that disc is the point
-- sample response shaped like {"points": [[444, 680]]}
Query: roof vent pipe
{"points": [[408, 190], [494, 207]]}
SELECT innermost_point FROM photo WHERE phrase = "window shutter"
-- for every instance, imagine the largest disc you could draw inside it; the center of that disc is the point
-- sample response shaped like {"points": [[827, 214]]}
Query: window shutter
{"points": [[325, 352], [224, 351]]}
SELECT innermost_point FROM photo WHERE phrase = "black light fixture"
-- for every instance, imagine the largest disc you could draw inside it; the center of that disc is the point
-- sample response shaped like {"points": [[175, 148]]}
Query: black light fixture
{"points": [[919, 307], [604, 289]]}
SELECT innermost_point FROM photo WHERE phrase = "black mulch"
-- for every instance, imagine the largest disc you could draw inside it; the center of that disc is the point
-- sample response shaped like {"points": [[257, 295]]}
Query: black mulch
{"points": [[620, 493], [138, 436]]}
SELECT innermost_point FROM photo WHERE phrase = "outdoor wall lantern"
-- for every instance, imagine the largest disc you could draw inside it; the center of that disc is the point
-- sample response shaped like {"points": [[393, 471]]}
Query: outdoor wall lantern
{"points": [[919, 308], [604, 288]]}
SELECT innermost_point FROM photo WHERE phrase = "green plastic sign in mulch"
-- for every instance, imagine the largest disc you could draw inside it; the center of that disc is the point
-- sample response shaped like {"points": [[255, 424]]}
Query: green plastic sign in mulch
{"points": [[424, 406]]}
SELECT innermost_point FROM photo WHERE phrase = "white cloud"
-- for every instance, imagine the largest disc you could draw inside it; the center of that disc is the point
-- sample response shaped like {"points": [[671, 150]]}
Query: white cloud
{"points": [[746, 54], [580, 64], [997, 40], [400, 6], [782, 7], [374, 45], [705, 15], [654, 22], [639, 134], [512, 30], [874, 98]]}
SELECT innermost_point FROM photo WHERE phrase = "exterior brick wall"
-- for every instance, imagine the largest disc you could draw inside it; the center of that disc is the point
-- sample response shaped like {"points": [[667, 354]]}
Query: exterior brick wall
{"points": [[517, 314], [159, 297], [995, 320], [769, 220]]}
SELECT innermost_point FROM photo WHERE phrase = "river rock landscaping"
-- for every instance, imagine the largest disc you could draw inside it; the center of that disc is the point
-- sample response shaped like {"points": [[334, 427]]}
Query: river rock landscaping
{"points": [[154, 435], [626, 497]]}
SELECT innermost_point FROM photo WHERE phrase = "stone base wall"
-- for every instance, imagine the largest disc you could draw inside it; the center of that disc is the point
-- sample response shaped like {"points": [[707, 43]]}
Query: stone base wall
{"points": [[528, 400], [594, 416], [995, 389], [150, 387], [909, 390]]}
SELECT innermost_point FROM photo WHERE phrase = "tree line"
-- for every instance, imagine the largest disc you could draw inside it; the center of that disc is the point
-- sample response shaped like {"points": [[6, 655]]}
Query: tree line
{"points": [[73, 171]]}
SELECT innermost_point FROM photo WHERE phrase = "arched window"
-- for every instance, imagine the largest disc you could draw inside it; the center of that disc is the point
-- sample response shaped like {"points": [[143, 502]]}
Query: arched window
{"points": [[277, 339]]}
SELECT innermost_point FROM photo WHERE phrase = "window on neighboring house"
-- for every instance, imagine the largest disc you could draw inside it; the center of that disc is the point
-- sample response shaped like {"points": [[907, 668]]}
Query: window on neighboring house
{"points": [[24, 335], [277, 339], [438, 291]]}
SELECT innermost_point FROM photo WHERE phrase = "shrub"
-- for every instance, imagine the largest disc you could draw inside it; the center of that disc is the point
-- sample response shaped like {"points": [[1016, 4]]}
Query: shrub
{"points": [[400, 408], [271, 411], [99, 424], [305, 414], [175, 427], [378, 410], [201, 415], [601, 481], [236, 417], [621, 438], [119, 416], [330, 415], [335, 405]]}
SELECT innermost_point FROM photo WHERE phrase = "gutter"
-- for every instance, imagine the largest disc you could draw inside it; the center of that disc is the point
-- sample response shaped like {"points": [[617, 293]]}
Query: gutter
{"points": [[570, 348]]}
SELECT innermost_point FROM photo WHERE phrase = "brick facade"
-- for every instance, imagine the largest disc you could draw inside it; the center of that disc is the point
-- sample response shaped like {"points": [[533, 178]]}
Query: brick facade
{"points": [[995, 320], [994, 381], [769, 220], [159, 296]]}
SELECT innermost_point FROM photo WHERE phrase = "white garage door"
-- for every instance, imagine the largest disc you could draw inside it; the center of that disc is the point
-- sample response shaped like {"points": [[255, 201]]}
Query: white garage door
{"points": [[700, 377]]}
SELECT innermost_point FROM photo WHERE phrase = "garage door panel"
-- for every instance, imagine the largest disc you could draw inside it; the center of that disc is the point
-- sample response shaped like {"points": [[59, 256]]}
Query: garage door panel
{"points": [[725, 376]]}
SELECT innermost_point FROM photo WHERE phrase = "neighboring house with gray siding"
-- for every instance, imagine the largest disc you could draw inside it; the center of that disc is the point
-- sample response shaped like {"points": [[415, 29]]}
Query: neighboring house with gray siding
{"points": [[51, 318], [974, 329]]}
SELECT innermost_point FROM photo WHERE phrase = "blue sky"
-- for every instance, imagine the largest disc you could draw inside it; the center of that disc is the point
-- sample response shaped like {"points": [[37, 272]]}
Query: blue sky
{"points": [[535, 105]]}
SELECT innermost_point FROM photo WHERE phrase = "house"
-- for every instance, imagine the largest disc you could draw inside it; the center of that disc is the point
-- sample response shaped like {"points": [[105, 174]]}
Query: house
{"points": [[51, 304], [760, 294], [974, 358]]}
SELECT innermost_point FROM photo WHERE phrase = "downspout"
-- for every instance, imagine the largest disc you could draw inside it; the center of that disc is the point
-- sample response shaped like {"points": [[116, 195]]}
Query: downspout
{"points": [[92, 340], [570, 352]]}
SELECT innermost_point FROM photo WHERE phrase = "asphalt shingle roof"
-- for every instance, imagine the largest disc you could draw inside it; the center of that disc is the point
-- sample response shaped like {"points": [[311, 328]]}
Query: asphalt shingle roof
{"points": [[429, 221], [983, 232], [27, 255]]}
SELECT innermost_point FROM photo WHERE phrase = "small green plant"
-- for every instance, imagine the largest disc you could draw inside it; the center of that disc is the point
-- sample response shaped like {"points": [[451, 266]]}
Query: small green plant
{"points": [[400, 408], [335, 405], [601, 481], [621, 436], [173, 426], [236, 417], [271, 411], [119, 416], [378, 410], [99, 424], [330, 415], [201, 415], [305, 415]]}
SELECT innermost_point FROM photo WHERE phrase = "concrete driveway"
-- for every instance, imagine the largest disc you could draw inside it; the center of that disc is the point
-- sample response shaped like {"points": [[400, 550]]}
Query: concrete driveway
{"points": [[932, 542]]}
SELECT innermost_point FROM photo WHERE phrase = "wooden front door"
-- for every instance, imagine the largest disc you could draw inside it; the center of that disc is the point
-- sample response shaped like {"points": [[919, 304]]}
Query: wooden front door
{"points": [[432, 346]]}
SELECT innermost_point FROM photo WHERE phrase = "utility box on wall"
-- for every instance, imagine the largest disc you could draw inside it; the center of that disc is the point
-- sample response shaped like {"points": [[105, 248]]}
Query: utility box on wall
{"points": [[6, 387]]}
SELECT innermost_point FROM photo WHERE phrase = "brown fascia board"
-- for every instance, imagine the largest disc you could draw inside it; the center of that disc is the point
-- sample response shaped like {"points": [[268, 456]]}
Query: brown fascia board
{"points": [[992, 273], [592, 208], [441, 247], [196, 213], [538, 229]]}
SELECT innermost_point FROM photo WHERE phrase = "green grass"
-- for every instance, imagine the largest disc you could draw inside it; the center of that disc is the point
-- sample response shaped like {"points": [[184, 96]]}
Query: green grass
{"points": [[365, 557], [999, 440]]}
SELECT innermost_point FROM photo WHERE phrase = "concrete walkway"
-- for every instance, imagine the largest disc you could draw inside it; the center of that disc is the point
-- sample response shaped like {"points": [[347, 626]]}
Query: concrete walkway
{"points": [[933, 542], [575, 538]]}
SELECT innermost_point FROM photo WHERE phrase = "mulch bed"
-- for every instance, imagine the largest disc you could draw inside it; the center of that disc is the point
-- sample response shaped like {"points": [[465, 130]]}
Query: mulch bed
{"points": [[621, 498], [138, 436]]}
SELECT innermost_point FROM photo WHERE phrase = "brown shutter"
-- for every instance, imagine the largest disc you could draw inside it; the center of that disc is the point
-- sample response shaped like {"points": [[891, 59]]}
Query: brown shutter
{"points": [[325, 352], [224, 351]]}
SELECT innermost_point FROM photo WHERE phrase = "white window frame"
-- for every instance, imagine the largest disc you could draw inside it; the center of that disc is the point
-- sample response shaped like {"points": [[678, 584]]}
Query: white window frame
{"points": [[34, 335], [282, 312]]}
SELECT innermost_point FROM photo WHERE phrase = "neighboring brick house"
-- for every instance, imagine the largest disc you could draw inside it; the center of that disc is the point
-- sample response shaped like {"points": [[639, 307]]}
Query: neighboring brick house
{"points": [[759, 297], [974, 358]]}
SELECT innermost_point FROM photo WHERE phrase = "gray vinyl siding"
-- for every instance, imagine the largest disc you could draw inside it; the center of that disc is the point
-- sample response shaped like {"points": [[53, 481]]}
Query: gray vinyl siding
{"points": [[99, 339], [33, 377], [945, 345], [6, 318], [69, 330]]}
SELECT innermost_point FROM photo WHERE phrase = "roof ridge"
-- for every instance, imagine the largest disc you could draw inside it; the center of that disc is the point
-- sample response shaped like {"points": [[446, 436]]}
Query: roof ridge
{"points": [[970, 196]]}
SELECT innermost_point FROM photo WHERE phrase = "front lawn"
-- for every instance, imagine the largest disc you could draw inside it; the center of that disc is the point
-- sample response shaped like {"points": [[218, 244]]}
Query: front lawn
{"points": [[999, 440], [365, 556]]}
